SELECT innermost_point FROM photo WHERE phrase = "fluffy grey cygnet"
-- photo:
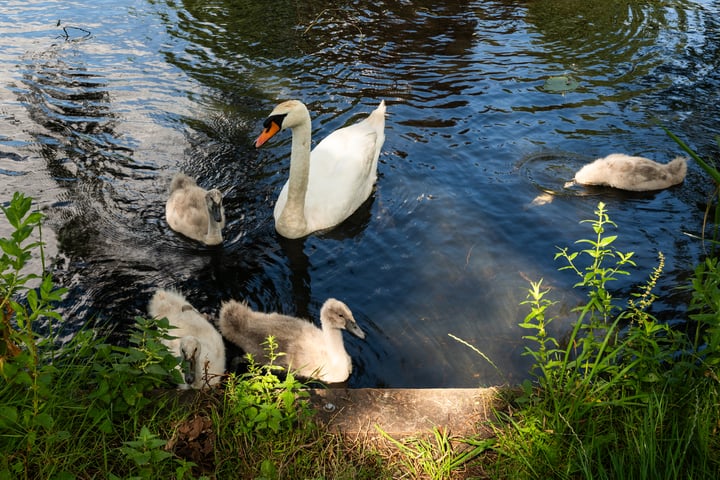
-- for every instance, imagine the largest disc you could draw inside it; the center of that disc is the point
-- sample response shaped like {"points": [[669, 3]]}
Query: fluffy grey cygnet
{"points": [[198, 342], [637, 174], [310, 352], [195, 212]]}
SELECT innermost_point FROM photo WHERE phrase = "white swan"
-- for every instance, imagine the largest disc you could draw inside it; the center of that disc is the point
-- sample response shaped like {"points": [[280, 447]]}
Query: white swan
{"points": [[198, 342], [309, 351], [632, 173], [326, 185], [195, 212]]}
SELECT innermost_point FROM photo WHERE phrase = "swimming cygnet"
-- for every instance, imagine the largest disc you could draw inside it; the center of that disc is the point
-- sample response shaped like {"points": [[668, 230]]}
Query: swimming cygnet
{"points": [[309, 351], [198, 342], [195, 212], [637, 174]]}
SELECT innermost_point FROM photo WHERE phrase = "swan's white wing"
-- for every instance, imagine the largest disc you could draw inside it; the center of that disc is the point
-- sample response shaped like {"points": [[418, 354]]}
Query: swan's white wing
{"points": [[343, 170]]}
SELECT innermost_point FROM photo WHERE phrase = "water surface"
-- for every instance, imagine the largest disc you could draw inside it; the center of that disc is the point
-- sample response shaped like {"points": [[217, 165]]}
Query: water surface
{"points": [[102, 102]]}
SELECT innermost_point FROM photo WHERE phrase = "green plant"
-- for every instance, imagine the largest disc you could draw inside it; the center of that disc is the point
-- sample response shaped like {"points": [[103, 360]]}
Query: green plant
{"points": [[22, 306], [54, 395], [712, 171], [146, 453], [263, 403], [613, 400], [122, 379], [547, 353], [585, 360], [150, 459], [438, 458], [265, 430], [596, 275], [704, 311]]}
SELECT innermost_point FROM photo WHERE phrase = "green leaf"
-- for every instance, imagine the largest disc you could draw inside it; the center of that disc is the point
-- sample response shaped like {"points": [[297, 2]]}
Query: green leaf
{"points": [[32, 299], [161, 455], [130, 395], [106, 426], [11, 248], [44, 420], [560, 84], [34, 218], [605, 241], [8, 416], [268, 469]]}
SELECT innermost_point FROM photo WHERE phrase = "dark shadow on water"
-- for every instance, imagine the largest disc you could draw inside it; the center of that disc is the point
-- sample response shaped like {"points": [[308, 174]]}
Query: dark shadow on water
{"points": [[299, 265]]}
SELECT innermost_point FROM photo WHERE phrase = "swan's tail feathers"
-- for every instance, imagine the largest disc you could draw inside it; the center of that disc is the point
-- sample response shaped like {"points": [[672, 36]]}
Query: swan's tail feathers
{"points": [[180, 181], [376, 122], [234, 317], [376, 119], [380, 110]]}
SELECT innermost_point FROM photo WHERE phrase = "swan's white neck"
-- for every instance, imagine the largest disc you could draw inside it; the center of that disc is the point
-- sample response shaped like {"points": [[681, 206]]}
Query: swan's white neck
{"points": [[292, 223]]}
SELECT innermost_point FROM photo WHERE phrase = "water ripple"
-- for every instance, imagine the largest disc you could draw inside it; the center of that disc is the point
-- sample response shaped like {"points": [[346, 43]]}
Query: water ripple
{"points": [[96, 124]]}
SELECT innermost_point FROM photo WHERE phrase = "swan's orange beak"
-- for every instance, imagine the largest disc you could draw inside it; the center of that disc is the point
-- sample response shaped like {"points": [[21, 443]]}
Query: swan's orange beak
{"points": [[271, 128]]}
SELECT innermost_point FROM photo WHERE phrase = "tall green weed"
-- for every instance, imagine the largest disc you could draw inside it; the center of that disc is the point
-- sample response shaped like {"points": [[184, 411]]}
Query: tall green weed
{"points": [[619, 396], [261, 402]]}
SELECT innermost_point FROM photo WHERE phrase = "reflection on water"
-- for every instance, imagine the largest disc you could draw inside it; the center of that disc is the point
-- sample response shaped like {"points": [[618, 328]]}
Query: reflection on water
{"points": [[95, 124]]}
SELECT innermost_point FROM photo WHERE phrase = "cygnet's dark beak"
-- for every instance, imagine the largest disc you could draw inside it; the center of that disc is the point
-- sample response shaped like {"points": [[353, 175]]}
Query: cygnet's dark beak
{"points": [[190, 372], [216, 211], [353, 328]]}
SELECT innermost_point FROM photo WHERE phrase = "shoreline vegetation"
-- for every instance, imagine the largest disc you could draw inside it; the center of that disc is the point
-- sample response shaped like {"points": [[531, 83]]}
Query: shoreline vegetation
{"points": [[622, 395]]}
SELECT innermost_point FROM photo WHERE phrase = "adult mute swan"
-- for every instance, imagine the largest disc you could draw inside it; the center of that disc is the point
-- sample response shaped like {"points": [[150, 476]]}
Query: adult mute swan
{"points": [[198, 342], [195, 212], [310, 351], [637, 174], [326, 185]]}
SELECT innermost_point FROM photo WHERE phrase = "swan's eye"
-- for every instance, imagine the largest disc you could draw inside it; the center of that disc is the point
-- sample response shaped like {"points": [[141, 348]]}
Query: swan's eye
{"points": [[274, 119]]}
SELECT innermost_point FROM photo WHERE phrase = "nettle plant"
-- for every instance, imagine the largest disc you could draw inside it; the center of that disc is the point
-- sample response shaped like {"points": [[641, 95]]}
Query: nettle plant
{"points": [[262, 402], [51, 392], [595, 331], [121, 380], [22, 307], [616, 348]]}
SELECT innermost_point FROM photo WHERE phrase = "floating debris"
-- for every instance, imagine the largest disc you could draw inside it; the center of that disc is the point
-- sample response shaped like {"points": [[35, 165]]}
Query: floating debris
{"points": [[560, 84]]}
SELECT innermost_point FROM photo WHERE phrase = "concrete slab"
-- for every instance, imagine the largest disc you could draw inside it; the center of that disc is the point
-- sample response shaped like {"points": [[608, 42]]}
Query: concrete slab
{"points": [[406, 412]]}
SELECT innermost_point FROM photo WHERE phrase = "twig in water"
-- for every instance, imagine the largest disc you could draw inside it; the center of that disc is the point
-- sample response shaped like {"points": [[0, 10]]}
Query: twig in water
{"points": [[66, 34]]}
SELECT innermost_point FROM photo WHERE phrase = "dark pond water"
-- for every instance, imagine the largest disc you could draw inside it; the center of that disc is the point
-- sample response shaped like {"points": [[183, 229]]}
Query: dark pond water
{"points": [[102, 102]]}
